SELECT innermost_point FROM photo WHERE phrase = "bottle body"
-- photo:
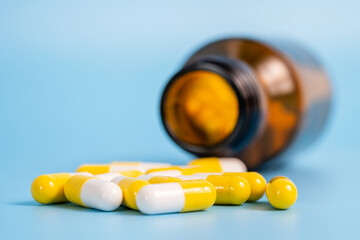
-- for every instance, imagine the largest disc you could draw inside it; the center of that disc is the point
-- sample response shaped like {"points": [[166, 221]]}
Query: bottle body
{"points": [[246, 98]]}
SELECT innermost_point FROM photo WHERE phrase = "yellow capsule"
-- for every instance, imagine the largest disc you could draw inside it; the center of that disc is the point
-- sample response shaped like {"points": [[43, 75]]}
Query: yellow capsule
{"points": [[281, 192], [120, 166], [257, 183], [199, 195], [278, 177], [93, 192], [230, 190], [95, 168], [130, 187], [153, 179], [234, 190], [176, 170], [131, 173], [214, 164], [49, 188], [185, 196]]}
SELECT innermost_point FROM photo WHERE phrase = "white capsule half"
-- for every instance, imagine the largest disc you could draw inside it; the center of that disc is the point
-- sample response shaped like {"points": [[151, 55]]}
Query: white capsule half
{"points": [[161, 198], [232, 165], [183, 196], [108, 176]]}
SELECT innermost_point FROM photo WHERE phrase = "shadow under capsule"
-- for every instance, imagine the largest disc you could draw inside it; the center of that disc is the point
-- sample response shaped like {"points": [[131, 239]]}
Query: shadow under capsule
{"points": [[73, 207]]}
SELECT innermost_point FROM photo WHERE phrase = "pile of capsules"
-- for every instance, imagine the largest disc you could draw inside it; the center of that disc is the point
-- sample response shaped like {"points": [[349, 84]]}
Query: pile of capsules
{"points": [[158, 188]]}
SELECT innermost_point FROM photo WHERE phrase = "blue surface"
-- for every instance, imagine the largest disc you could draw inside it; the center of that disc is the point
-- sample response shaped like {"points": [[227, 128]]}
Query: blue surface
{"points": [[81, 81]]}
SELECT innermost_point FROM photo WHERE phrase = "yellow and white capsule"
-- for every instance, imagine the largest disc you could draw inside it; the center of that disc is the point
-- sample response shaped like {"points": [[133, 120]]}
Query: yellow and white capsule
{"points": [[108, 176], [120, 166], [153, 179], [130, 187], [214, 164], [230, 190], [49, 188], [93, 192], [131, 173], [111, 175], [175, 197], [256, 180], [174, 171]]}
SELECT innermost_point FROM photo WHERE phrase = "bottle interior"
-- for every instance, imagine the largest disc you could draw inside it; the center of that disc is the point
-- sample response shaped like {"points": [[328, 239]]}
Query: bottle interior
{"points": [[201, 108]]}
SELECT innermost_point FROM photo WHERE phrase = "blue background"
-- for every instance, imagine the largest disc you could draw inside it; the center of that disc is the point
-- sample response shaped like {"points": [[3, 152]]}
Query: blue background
{"points": [[80, 82]]}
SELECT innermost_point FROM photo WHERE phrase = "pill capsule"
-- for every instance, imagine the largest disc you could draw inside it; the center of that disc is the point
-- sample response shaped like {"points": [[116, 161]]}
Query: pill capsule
{"points": [[230, 190], [175, 197], [220, 164], [49, 188], [257, 182], [131, 173], [111, 175], [278, 177], [108, 176], [130, 187], [146, 165], [93, 192], [159, 179], [176, 170], [281, 192], [120, 166]]}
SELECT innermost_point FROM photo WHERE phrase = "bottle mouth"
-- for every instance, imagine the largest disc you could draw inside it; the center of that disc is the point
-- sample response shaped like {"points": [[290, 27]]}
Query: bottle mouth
{"points": [[210, 109], [201, 108]]}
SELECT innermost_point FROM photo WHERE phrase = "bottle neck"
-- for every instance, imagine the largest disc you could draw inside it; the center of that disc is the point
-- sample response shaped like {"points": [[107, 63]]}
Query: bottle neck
{"points": [[243, 81]]}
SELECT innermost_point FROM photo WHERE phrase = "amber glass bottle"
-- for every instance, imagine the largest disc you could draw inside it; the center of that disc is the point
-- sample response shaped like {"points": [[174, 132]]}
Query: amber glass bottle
{"points": [[246, 98]]}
